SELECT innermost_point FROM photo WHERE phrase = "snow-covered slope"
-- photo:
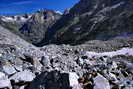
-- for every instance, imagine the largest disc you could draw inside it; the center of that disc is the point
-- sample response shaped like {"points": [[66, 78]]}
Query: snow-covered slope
{"points": [[17, 18]]}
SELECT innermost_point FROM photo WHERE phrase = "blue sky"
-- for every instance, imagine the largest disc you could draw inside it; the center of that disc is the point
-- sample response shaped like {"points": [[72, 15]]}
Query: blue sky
{"points": [[11, 7]]}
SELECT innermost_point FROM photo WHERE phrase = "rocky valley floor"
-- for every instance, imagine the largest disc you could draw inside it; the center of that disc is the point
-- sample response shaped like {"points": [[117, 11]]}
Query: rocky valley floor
{"points": [[93, 65]]}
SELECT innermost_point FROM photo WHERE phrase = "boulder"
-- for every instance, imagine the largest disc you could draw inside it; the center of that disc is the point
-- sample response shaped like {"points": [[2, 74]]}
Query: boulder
{"points": [[24, 76], [5, 84], [45, 61], [73, 80], [55, 80], [8, 69], [101, 82], [2, 75]]}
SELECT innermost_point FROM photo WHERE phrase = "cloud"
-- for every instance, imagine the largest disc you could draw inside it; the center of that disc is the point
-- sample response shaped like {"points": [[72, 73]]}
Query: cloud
{"points": [[22, 2]]}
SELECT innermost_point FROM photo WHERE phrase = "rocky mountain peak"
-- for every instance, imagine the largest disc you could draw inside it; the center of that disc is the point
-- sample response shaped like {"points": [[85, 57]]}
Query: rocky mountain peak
{"points": [[43, 16], [91, 19]]}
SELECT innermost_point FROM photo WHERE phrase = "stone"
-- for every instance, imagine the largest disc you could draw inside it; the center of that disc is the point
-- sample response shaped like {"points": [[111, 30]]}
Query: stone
{"points": [[101, 82], [113, 77], [5, 84], [0, 55], [45, 61], [77, 87], [56, 80], [38, 66], [114, 65], [2, 75], [9, 69], [18, 67], [22, 87], [73, 79], [24, 76], [81, 61]]}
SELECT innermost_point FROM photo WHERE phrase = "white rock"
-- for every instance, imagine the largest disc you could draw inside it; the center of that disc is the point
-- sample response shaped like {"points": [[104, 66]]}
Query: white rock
{"points": [[22, 87], [2, 75], [0, 55], [25, 76], [113, 77], [81, 61], [101, 82], [114, 65], [77, 87], [73, 79], [5, 84], [9, 69]]}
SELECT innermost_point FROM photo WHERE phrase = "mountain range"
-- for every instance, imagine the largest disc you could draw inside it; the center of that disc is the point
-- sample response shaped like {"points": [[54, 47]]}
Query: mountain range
{"points": [[87, 20]]}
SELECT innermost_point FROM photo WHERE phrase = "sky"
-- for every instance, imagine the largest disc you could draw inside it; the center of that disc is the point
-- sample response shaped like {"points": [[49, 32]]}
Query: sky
{"points": [[12, 7]]}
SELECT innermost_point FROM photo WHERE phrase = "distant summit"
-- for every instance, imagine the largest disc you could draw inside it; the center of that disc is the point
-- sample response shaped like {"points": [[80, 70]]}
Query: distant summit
{"points": [[31, 27]]}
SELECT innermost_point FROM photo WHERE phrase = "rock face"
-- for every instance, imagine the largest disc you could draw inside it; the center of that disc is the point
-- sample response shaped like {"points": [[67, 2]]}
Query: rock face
{"points": [[35, 28], [94, 19]]}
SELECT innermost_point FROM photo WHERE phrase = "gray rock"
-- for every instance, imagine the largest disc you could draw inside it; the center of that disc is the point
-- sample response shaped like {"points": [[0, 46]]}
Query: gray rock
{"points": [[45, 61], [114, 65], [18, 67], [55, 80]]}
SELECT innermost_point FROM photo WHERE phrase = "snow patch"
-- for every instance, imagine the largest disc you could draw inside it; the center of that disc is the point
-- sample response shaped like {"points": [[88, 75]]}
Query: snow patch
{"points": [[7, 19], [59, 12], [14, 19], [117, 5], [123, 51]]}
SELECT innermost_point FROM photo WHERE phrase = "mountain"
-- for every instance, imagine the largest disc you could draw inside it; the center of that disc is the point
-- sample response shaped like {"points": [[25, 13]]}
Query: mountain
{"points": [[87, 20], [31, 27], [93, 20]]}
